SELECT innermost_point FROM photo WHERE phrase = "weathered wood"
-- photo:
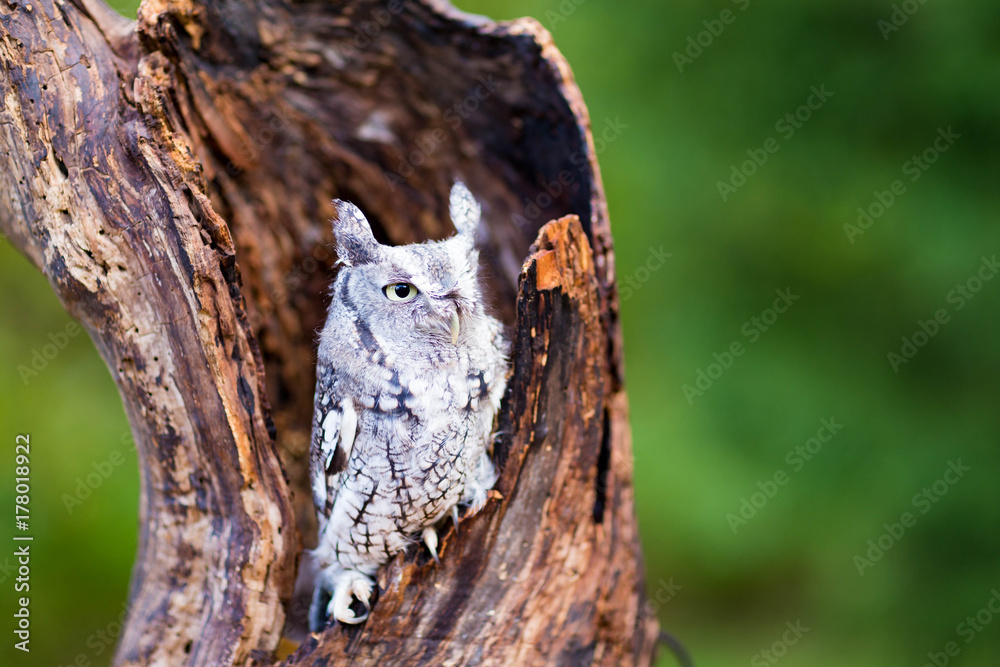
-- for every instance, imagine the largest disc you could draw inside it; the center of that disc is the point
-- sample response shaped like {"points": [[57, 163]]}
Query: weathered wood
{"points": [[142, 260], [172, 178]]}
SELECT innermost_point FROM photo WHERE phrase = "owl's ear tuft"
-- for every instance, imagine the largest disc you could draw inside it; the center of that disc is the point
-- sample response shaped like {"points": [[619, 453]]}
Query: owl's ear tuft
{"points": [[355, 242], [464, 208]]}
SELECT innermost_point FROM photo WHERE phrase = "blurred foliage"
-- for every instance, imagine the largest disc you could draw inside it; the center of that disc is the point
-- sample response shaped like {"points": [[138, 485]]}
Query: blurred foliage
{"points": [[826, 357]]}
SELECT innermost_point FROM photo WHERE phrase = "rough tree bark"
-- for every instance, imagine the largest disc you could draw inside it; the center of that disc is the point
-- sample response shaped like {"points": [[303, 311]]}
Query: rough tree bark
{"points": [[172, 177]]}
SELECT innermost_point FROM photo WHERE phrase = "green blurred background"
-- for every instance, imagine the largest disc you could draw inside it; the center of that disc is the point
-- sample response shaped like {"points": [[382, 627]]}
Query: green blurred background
{"points": [[726, 594]]}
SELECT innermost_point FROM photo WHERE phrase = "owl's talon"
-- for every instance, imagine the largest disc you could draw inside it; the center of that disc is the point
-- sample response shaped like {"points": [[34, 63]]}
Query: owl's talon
{"points": [[454, 517], [431, 540], [350, 585]]}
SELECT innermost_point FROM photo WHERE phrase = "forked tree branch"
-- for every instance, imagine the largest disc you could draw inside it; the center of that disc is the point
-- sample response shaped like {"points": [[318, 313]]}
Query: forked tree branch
{"points": [[172, 178]]}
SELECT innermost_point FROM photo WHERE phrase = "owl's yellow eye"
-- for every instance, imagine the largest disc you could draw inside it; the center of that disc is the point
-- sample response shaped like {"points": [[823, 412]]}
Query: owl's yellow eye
{"points": [[400, 292]]}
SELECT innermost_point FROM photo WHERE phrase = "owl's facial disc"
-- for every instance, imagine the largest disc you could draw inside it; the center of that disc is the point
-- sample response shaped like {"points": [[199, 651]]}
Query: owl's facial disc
{"points": [[427, 288]]}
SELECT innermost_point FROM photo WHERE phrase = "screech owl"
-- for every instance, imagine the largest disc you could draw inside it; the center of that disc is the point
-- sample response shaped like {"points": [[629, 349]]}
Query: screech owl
{"points": [[410, 372]]}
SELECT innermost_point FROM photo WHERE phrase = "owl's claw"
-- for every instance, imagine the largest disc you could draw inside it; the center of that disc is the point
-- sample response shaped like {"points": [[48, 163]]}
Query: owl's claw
{"points": [[454, 517], [351, 584], [431, 540]]}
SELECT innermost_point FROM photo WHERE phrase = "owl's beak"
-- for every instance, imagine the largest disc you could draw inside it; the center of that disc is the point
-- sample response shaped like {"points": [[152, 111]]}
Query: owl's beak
{"points": [[455, 328]]}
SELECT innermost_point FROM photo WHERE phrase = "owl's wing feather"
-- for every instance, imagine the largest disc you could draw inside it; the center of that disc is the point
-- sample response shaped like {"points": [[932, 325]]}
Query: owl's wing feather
{"points": [[335, 424], [348, 429]]}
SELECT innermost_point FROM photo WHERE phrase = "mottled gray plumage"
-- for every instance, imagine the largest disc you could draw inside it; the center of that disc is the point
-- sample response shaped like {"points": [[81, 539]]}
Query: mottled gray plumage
{"points": [[409, 376]]}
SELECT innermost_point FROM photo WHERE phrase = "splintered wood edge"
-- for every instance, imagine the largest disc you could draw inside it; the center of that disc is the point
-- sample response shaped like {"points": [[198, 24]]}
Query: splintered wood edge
{"points": [[561, 254]]}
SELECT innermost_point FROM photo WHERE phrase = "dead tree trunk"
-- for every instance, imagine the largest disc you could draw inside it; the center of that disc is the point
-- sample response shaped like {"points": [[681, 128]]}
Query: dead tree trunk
{"points": [[172, 177]]}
